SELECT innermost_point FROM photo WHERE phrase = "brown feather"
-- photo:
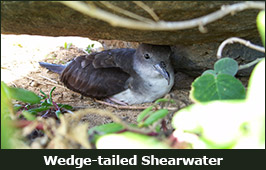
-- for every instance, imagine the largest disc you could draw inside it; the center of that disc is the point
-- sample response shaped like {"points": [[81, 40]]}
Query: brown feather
{"points": [[98, 74]]}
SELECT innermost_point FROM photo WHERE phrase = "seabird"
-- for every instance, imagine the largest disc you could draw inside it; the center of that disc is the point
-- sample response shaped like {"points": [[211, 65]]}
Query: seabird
{"points": [[131, 76]]}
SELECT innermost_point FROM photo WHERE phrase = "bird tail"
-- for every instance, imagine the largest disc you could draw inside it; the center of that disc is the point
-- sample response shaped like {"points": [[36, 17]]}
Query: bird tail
{"points": [[57, 68]]}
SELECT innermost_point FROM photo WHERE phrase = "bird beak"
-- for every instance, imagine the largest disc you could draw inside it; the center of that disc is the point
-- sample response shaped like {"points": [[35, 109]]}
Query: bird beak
{"points": [[161, 68]]}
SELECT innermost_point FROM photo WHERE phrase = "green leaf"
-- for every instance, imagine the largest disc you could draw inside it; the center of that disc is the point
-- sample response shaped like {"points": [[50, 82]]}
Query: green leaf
{"points": [[6, 110], [209, 72], [217, 123], [39, 109], [226, 66], [45, 96], [144, 113], [107, 128], [65, 45], [68, 107], [209, 87], [104, 129], [159, 114], [16, 107], [58, 113], [158, 128], [256, 86], [69, 45], [261, 25], [50, 94], [129, 140], [256, 100], [24, 95], [28, 115], [45, 103], [163, 100]]}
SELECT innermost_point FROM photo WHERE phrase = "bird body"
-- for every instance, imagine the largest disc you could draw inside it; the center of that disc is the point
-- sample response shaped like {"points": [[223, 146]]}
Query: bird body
{"points": [[127, 75]]}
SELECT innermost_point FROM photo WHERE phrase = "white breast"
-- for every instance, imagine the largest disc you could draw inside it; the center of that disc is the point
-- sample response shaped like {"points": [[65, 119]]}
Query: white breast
{"points": [[150, 90]]}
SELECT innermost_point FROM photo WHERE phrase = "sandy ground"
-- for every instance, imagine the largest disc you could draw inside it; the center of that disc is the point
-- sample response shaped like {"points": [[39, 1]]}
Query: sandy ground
{"points": [[20, 55]]}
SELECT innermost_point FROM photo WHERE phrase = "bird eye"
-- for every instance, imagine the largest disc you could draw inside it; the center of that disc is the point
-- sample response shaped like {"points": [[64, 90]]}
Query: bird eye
{"points": [[163, 64], [146, 56]]}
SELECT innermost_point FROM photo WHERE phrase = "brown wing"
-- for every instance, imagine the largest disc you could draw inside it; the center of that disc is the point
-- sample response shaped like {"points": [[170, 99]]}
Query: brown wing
{"points": [[121, 58], [81, 76]]}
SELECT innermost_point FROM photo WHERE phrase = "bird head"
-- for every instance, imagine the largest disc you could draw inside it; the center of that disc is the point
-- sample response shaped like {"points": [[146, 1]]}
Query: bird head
{"points": [[155, 57]]}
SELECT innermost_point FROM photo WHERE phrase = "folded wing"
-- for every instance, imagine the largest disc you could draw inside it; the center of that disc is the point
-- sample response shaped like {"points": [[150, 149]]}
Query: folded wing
{"points": [[98, 74]]}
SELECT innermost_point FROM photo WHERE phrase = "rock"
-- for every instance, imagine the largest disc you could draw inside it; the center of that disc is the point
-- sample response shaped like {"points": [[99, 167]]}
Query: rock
{"points": [[112, 44], [182, 81], [56, 19], [193, 51], [196, 58]]}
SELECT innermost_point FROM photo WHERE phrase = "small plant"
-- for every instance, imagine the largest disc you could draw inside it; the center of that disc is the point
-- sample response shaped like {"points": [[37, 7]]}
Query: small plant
{"points": [[218, 84], [6, 112], [34, 104], [150, 117], [67, 45], [89, 48], [228, 123], [49, 104]]}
